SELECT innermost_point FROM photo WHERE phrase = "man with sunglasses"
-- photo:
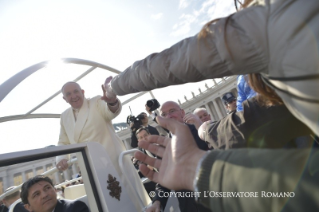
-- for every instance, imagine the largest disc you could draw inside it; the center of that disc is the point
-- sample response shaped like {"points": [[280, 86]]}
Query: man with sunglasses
{"points": [[230, 102]]}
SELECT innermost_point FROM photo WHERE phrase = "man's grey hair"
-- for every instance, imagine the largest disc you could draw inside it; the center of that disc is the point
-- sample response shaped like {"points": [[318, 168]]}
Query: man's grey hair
{"points": [[199, 109], [160, 109], [68, 83]]}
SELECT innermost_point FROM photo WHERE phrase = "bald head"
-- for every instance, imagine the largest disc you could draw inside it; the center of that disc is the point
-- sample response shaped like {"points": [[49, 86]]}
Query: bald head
{"points": [[172, 110], [73, 94], [202, 114], [171, 103]]}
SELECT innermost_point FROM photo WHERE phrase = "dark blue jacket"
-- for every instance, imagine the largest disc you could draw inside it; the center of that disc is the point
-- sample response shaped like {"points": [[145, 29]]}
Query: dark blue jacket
{"points": [[71, 206]]}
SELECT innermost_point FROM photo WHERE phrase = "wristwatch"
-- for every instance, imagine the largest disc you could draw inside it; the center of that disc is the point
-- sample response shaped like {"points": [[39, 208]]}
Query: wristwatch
{"points": [[114, 103]]}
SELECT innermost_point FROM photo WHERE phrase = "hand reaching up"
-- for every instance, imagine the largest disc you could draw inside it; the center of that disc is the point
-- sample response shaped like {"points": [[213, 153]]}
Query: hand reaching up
{"points": [[108, 95], [192, 119], [180, 156]]}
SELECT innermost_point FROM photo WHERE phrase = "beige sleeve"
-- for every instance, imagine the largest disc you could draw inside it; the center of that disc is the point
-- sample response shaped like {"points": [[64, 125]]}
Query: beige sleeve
{"points": [[63, 140], [103, 108]]}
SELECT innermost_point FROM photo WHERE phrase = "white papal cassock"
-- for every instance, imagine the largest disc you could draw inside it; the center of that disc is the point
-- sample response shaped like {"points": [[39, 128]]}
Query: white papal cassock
{"points": [[94, 123]]}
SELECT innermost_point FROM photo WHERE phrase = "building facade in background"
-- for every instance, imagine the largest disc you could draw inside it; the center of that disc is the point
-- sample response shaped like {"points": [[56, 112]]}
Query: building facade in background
{"points": [[15, 175]]}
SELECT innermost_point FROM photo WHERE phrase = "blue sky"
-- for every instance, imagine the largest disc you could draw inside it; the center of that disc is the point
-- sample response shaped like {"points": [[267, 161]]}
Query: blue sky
{"points": [[114, 33]]}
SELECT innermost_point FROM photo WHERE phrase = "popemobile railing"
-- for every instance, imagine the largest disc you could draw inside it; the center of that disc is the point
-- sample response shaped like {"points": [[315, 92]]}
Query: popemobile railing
{"points": [[53, 170], [47, 173]]}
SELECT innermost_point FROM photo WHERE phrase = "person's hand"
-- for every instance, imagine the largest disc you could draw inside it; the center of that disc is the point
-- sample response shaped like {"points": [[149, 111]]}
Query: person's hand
{"points": [[192, 119], [180, 156], [62, 165], [155, 207], [108, 95]]}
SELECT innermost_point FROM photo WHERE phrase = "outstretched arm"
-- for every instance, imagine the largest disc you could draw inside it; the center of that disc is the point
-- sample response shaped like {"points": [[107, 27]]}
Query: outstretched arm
{"points": [[229, 48]]}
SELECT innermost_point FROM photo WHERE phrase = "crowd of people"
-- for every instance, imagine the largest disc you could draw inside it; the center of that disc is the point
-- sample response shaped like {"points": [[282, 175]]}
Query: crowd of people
{"points": [[264, 40], [255, 148]]}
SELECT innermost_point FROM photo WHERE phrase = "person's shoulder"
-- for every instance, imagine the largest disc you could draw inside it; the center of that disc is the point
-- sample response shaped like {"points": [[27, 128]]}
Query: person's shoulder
{"points": [[94, 99], [63, 201], [78, 202], [3, 208], [151, 128], [79, 205], [66, 111], [239, 77], [67, 201], [19, 207], [72, 202], [240, 80]]}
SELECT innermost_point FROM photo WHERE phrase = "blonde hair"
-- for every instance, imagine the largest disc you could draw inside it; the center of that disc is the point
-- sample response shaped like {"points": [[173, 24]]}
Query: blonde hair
{"points": [[267, 96], [244, 4], [205, 29]]}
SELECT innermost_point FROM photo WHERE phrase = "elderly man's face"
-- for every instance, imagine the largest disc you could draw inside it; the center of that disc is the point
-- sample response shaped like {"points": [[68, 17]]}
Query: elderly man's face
{"points": [[173, 111], [203, 115], [73, 95], [41, 197]]}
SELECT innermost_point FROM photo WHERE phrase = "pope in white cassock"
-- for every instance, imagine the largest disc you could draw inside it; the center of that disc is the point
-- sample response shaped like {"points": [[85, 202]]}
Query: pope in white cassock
{"points": [[90, 120]]}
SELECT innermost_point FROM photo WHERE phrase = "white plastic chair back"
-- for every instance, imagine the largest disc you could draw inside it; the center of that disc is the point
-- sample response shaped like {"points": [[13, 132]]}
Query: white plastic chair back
{"points": [[74, 192]]}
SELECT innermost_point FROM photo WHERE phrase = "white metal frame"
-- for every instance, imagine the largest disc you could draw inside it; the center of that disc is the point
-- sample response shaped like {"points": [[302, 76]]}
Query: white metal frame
{"points": [[10, 84], [47, 173]]}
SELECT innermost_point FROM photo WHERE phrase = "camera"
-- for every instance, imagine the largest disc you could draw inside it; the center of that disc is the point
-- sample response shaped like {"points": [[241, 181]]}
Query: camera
{"points": [[136, 163], [153, 104], [136, 120]]}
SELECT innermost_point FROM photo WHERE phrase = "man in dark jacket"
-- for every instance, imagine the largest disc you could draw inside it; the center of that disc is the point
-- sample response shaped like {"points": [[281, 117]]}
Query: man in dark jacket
{"points": [[38, 194], [186, 201]]}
